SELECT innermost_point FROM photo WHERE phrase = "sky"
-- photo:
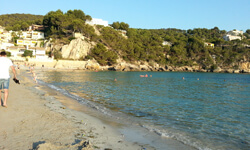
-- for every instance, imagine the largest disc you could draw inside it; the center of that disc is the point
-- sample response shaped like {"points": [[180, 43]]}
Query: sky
{"points": [[147, 14]]}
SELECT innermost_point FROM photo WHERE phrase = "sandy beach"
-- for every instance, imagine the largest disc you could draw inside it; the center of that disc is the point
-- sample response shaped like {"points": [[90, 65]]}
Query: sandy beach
{"points": [[37, 118]]}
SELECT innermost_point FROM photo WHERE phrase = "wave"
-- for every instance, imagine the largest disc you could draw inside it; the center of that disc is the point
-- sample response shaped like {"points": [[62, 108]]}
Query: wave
{"points": [[108, 98], [181, 137], [177, 135], [81, 100]]}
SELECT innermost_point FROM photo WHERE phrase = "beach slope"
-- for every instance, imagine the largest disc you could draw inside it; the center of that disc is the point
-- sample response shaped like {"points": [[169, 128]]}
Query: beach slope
{"points": [[35, 119]]}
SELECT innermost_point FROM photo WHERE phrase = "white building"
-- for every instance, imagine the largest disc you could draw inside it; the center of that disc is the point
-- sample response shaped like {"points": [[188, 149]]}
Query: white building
{"points": [[209, 44], [16, 51], [235, 32], [4, 45], [27, 42], [233, 35], [166, 43], [96, 21], [38, 52], [1, 29], [35, 35], [5, 36]]}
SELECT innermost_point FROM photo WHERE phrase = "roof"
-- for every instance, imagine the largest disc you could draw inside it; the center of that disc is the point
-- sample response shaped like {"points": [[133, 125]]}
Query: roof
{"points": [[37, 48], [15, 47]]}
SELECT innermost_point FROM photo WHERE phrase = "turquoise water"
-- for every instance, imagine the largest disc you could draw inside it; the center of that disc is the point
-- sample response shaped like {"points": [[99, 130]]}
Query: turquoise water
{"points": [[203, 110]]}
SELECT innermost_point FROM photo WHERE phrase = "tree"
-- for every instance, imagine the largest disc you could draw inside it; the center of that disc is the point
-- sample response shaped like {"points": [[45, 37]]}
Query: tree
{"points": [[102, 55], [247, 34], [121, 26], [77, 25], [27, 53], [55, 21], [16, 22], [57, 54], [8, 54], [77, 14]]}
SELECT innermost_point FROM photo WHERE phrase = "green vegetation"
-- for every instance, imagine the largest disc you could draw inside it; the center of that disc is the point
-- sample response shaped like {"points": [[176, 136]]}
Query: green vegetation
{"points": [[18, 22], [27, 53], [184, 47], [8, 54], [57, 54], [60, 25], [120, 26], [102, 55]]}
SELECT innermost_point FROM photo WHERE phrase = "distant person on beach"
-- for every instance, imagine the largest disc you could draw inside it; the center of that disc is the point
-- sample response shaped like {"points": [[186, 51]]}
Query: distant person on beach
{"points": [[34, 76], [5, 64]]}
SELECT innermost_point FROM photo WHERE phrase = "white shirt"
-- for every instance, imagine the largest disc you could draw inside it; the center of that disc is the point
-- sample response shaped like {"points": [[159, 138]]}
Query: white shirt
{"points": [[5, 64]]}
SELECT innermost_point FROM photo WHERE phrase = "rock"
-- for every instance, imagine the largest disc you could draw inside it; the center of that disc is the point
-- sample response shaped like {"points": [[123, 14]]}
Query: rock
{"points": [[229, 71], [236, 71], [70, 64], [217, 69], [189, 69], [244, 66], [144, 68], [195, 68], [246, 71], [202, 70], [83, 145], [161, 69], [92, 65], [126, 67], [77, 49]]}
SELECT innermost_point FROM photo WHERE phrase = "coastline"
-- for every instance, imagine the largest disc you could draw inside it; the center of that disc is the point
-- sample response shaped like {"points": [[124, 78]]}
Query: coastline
{"points": [[40, 119], [84, 124], [92, 65]]}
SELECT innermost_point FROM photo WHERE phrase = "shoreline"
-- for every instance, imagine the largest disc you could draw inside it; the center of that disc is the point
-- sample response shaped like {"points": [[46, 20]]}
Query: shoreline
{"points": [[127, 67], [136, 133], [36, 119], [80, 123], [39, 117]]}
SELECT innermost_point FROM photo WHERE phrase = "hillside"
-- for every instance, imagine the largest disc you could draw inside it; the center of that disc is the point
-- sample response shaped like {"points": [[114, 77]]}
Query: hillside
{"points": [[18, 22], [201, 47]]}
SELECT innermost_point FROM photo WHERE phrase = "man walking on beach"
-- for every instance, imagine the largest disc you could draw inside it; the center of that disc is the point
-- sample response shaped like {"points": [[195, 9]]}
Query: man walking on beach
{"points": [[5, 64]]}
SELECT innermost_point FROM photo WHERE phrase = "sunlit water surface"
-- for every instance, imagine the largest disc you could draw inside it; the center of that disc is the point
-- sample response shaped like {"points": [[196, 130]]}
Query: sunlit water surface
{"points": [[203, 110]]}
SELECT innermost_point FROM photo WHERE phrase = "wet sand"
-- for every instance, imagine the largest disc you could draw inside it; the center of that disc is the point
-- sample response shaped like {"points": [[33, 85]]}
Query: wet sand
{"points": [[40, 119]]}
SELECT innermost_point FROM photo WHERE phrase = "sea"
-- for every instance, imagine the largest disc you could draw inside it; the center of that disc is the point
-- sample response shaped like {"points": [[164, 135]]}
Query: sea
{"points": [[201, 110]]}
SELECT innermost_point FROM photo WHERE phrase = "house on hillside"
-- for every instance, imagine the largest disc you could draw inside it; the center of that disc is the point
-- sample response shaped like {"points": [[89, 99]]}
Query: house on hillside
{"points": [[1, 29], [5, 36], [35, 35], [38, 52], [35, 27], [27, 42], [233, 35], [4, 45], [96, 21], [16, 51], [209, 44], [166, 43]]}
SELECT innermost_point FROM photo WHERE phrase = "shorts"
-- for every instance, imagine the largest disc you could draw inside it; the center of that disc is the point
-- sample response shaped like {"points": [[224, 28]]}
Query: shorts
{"points": [[4, 83]]}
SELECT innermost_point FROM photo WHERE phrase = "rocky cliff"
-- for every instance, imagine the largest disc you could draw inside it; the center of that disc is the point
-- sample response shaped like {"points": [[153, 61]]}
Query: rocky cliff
{"points": [[77, 49]]}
